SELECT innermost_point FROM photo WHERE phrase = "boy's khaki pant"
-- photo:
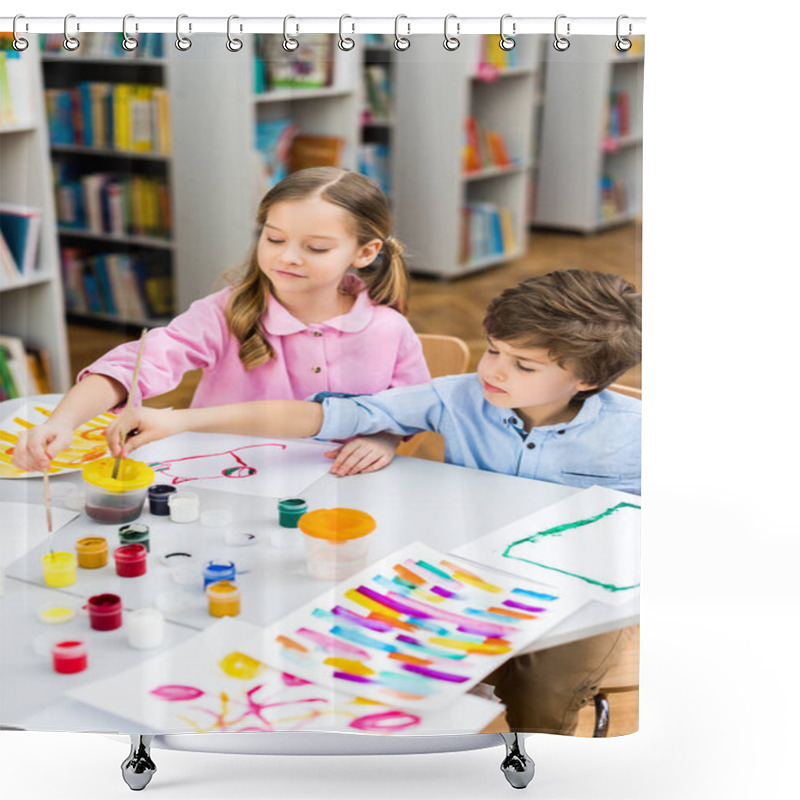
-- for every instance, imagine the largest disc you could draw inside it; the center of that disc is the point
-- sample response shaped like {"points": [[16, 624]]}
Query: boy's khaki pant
{"points": [[545, 691]]}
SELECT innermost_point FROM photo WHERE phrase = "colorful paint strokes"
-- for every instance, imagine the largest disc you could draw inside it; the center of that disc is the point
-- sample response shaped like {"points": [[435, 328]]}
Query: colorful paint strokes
{"points": [[214, 683], [416, 629], [587, 542], [88, 442]]}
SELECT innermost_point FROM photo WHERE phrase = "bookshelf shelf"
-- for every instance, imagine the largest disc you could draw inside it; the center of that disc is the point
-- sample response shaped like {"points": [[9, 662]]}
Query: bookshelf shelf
{"points": [[478, 219], [31, 303], [139, 241], [297, 95], [106, 152], [591, 179]]}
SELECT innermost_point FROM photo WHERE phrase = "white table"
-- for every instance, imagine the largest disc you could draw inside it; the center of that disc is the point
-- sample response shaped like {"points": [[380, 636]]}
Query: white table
{"points": [[411, 500]]}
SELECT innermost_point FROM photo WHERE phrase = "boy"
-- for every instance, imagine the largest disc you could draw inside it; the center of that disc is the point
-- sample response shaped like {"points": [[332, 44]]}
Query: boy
{"points": [[537, 407]]}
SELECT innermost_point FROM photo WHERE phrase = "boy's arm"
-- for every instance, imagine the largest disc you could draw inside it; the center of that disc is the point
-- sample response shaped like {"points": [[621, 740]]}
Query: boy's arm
{"points": [[277, 419]]}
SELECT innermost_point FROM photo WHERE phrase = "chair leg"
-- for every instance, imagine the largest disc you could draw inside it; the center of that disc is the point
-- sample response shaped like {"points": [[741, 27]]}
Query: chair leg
{"points": [[138, 768], [517, 766], [602, 713]]}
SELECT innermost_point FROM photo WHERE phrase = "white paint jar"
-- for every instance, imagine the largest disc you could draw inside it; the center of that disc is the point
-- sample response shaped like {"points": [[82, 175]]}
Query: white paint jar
{"points": [[145, 628], [184, 507]]}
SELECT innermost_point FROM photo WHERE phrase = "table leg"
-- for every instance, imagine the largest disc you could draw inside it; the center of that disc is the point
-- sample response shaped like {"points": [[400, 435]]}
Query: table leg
{"points": [[517, 766], [138, 768]]}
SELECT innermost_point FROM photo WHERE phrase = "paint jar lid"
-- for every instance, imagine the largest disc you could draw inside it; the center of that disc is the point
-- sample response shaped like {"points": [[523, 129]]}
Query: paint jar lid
{"points": [[56, 614], [336, 524], [132, 474]]}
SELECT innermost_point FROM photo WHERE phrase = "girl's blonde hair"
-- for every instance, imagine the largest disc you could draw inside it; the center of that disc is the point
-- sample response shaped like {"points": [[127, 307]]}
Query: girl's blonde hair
{"points": [[386, 278]]}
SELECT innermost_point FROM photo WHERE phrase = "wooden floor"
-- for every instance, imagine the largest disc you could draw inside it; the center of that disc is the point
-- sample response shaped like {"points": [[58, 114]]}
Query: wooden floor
{"points": [[456, 308]]}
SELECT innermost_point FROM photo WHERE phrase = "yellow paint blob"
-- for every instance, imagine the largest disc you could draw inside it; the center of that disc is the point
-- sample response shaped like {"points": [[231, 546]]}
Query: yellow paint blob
{"points": [[239, 665], [56, 615], [350, 666]]}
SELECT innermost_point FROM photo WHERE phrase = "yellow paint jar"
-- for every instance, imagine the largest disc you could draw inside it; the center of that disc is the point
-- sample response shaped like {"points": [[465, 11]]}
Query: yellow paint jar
{"points": [[224, 599], [60, 569], [92, 552]]}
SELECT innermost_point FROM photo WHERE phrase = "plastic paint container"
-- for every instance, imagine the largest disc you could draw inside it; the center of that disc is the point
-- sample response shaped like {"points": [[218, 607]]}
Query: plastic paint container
{"points": [[105, 612], [59, 569], [145, 628], [337, 541], [115, 500], [69, 657], [131, 560], [224, 599], [56, 615], [135, 533], [92, 552], [184, 507], [218, 571], [158, 496], [290, 511]]}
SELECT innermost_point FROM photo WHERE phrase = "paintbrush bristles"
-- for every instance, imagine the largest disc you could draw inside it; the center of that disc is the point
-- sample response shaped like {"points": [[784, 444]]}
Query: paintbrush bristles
{"points": [[123, 434]]}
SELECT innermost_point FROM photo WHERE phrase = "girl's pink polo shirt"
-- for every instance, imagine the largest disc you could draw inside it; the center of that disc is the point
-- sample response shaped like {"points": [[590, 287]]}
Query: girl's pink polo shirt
{"points": [[367, 350]]}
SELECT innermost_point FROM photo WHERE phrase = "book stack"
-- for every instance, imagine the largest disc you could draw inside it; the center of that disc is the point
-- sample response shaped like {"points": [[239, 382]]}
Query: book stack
{"points": [[374, 161], [132, 287], [104, 45], [483, 149], [613, 197], [273, 144], [116, 204], [309, 66], [19, 241], [378, 94], [486, 230], [24, 369], [618, 120], [14, 90], [131, 117]]}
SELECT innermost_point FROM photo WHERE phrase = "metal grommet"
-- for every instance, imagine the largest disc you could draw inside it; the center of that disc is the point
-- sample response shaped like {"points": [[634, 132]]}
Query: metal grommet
{"points": [[451, 42], [623, 44], [506, 42], [183, 43], [128, 42], [561, 43], [290, 44], [401, 43], [233, 44], [70, 42], [345, 42], [19, 44]]}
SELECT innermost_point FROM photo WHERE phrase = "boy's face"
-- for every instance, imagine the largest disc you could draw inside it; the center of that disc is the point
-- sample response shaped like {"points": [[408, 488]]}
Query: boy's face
{"points": [[528, 380]]}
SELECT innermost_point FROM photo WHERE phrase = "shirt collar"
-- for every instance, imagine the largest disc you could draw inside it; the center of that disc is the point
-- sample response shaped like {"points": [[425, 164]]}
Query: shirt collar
{"points": [[279, 322], [588, 413]]}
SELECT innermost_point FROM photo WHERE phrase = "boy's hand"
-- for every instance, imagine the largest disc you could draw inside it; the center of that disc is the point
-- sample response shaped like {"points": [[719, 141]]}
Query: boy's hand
{"points": [[138, 426], [36, 447], [364, 454]]}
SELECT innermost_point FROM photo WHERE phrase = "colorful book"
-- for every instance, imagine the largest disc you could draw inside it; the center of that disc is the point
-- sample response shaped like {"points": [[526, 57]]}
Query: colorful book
{"points": [[20, 227]]}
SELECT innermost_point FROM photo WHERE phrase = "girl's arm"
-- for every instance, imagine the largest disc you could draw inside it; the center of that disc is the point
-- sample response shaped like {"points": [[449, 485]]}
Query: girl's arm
{"points": [[93, 395], [275, 419]]}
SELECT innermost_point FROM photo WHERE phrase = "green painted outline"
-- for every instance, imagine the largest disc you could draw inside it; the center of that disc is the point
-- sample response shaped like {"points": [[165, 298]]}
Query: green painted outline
{"points": [[558, 530]]}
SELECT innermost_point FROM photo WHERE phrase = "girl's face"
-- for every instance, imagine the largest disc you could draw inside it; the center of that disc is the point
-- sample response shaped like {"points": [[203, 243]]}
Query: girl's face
{"points": [[307, 245]]}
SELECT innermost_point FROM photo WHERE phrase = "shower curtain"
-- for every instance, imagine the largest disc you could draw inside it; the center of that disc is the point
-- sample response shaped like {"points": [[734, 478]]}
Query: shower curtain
{"points": [[494, 588]]}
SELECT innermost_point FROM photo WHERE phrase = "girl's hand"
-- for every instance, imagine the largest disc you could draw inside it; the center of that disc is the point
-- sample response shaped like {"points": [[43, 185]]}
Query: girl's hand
{"points": [[364, 454], [35, 447], [139, 426]]}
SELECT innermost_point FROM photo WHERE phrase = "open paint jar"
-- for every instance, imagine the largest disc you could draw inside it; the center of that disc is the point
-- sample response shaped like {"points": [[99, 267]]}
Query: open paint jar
{"points": [[69, 657], [59, 569], [135, 533], [105, 612], [92, 552], [145, 628], [158, 496], [131, 560], [120, 499], [337, 541], [224, 599], [290, 510]]}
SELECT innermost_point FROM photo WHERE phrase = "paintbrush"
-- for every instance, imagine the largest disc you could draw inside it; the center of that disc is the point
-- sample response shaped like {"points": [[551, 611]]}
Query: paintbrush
{"points": [[123, 433], [48, 510]]}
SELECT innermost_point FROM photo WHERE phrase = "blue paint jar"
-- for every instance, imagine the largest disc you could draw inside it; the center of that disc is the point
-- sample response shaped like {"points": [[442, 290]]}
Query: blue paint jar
{"points": [[218, 571]]}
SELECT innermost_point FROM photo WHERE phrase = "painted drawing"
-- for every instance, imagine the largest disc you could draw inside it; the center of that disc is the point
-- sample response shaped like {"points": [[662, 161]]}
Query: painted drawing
{"points": [[214, 682], [587, 542], [416, 629], [240, 464], [88, 443]]}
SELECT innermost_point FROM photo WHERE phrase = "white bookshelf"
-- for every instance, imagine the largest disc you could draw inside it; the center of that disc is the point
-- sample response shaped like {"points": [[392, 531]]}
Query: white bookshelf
{"points": [[436, 91], [32, 306], [579, 83], [213, 170]]}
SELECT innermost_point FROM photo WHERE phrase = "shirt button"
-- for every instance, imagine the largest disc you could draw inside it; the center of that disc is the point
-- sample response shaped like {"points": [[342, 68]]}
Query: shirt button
{"points": [[561, 431], [513, 420], [505, 422], [316, 369], [530, 445], [317, 333]]}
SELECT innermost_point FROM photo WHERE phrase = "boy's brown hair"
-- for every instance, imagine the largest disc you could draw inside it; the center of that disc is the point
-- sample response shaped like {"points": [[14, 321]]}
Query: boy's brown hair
{"points": [[589, 322]]}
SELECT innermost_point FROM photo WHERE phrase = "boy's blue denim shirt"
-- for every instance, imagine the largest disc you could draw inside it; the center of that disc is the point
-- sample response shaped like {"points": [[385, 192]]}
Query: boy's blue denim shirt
{"points": [[600, 446]]}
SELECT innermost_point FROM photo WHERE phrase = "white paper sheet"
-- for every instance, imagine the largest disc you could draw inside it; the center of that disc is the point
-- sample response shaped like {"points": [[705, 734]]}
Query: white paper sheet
{"points": [[214, 683], [28, 522], [586, 542], [241, 464]]}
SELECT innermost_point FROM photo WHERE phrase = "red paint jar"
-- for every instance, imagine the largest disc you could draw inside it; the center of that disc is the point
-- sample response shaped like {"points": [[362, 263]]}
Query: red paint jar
{"points": [[69, 657], [131, 560], [105, 612]]}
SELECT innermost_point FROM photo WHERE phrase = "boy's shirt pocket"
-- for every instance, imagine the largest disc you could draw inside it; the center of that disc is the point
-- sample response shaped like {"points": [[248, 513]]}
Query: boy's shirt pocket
{"points": [[614, 477]]}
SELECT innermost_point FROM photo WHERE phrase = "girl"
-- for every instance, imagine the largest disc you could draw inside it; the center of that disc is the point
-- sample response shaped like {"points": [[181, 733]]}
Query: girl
{"points": [[299, 320]]}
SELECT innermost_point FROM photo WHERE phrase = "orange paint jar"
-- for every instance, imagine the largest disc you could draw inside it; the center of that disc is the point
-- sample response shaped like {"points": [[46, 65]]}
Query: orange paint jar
{"points": [[224, 599], [92, 552], [337, 541]]}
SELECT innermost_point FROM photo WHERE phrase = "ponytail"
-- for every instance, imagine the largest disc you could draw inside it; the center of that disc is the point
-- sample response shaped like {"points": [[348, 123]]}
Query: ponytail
{"points": [[387, 283]]}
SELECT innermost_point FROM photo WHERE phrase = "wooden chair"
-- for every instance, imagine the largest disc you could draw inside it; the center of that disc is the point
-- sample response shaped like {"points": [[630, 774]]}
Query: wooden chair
{"points": [[445, 355]]}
